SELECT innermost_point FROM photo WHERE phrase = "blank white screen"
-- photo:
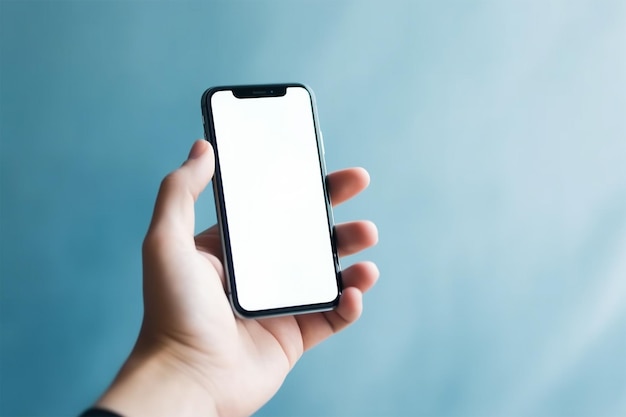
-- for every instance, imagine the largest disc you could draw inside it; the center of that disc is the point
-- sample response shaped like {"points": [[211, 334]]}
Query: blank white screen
{"points": [[274, 199]]}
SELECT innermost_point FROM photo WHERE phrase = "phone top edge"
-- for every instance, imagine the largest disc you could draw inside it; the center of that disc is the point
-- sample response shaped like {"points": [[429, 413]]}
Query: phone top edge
{"points": [[232, 86], [254, 87]]}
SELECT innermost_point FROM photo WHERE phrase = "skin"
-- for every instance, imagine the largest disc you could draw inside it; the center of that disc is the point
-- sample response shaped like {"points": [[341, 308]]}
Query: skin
{"points": [[193, 356]]}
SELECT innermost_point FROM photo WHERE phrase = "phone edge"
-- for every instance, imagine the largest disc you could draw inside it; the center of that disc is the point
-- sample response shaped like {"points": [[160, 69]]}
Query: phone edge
{"points": [[209, 135]]}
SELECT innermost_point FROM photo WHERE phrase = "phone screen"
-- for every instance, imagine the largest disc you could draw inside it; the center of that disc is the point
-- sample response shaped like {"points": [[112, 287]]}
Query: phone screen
{"points": [[277, 223]]}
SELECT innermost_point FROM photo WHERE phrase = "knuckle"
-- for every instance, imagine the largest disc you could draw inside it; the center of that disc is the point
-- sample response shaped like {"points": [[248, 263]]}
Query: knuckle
{"points": [[172, 180], [153, 242], [148, 244]]}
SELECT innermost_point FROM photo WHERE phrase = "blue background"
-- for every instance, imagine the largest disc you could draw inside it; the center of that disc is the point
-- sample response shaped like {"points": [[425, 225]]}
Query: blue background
{"points": [[495, 134]]}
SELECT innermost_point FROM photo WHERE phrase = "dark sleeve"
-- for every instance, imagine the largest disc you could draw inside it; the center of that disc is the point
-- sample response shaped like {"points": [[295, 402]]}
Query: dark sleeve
{"points": [[99, 412]]}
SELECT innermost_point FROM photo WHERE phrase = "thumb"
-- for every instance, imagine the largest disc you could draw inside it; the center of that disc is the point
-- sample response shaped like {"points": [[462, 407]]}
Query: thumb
{"points": [[174, 208]]}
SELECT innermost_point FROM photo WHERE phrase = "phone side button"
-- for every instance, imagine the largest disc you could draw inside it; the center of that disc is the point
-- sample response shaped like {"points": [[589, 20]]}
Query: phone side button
{"points": [[322, 141]]}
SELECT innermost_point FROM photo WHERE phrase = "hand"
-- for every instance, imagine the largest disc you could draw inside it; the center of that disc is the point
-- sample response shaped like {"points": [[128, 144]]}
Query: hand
{"points": [[193, 355]]}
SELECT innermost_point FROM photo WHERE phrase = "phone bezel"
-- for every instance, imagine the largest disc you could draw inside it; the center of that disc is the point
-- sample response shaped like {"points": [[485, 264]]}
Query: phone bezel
{"points": [[254, 91]]}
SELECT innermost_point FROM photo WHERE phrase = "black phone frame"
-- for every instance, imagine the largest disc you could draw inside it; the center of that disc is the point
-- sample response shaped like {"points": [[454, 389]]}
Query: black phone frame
{"points": [[257, 91]]}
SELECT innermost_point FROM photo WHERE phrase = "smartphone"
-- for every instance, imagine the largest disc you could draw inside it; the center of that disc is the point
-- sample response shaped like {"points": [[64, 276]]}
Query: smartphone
{"points": [[272, 201]]}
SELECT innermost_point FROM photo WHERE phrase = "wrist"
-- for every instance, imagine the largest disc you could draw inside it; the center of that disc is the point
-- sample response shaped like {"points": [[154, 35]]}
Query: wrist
{"points": [[153, 382]]}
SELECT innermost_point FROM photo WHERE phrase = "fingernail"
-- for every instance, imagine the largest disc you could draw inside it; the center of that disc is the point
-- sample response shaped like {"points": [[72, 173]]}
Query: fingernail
{"points": [[198, 148]]}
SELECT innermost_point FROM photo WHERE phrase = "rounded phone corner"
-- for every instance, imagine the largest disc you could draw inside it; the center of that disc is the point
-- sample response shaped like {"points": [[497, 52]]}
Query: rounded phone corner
{"points": [[305, 87], [204, 100], [239, 310]]}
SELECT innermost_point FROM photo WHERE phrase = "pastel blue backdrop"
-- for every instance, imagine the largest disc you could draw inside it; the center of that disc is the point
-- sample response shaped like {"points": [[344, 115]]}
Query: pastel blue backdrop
{"points": [[495, 135]]}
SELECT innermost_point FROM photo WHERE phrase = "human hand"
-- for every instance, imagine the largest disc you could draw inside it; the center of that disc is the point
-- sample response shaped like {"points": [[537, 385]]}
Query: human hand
{"points": [[193, 355]]}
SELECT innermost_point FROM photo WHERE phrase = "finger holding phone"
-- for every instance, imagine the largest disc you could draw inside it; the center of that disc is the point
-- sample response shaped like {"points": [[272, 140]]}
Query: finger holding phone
{"points": [[222, 323]]}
